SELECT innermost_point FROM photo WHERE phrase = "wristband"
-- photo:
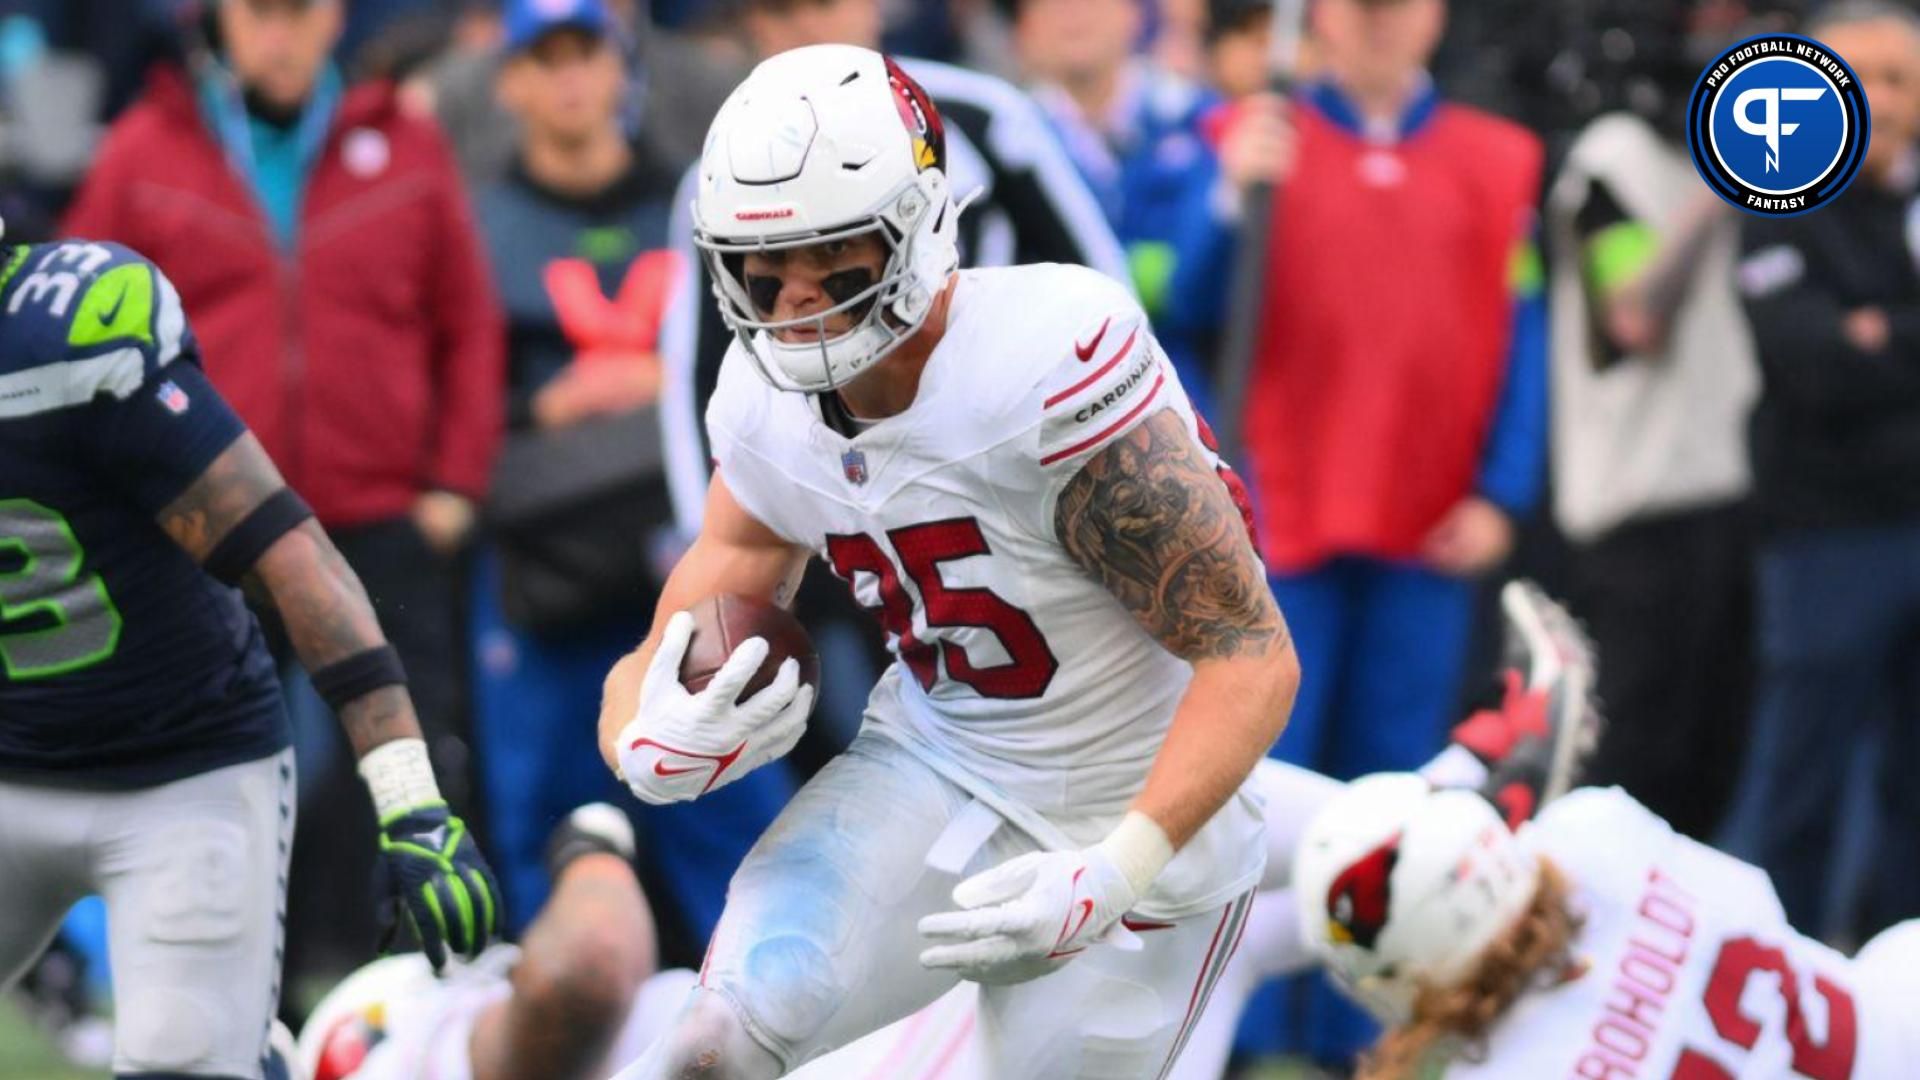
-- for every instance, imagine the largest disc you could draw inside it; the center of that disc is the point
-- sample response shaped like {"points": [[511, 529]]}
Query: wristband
{"points": [[343, 682], [400, 777], [1139, 849]]}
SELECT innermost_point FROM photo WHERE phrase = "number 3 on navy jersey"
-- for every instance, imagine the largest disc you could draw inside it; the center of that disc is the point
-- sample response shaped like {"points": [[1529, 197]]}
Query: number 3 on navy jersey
{"points": [[73, 622], [920, 550]]}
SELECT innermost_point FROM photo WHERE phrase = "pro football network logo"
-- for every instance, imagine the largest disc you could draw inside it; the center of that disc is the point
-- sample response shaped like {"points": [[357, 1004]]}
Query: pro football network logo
{"points": [[1778, 125]]}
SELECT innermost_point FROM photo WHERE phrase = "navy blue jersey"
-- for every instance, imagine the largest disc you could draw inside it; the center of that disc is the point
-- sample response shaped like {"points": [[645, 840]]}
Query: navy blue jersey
{"points": [[122, 664]]}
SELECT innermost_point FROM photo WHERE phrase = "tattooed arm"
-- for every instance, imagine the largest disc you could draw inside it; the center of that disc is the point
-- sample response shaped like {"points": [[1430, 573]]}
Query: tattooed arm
{"points": [[1147, 516], [1150, 519], [302, 574], [429, 869]]}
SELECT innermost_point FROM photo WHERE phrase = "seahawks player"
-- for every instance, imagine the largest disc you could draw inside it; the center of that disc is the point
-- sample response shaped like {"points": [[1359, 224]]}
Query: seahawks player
{"points": [[144, 754]]}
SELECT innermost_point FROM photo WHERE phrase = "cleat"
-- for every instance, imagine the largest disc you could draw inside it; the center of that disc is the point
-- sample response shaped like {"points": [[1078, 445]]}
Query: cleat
{"points": [[1547, 723]]}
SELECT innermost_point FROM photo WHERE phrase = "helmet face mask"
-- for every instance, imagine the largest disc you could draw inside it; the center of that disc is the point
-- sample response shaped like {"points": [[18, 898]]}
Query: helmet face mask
{"points": [[809, 363], [822, 144]]}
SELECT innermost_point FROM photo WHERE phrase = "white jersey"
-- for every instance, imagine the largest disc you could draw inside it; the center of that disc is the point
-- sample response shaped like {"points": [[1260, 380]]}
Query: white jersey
{"points": [[400, 1021], [1018, 676], [394, 1019], [1693, 972]]}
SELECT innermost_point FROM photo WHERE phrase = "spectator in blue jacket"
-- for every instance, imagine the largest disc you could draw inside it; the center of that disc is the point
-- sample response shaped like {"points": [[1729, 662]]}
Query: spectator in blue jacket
{"points": [[1133, 131]]}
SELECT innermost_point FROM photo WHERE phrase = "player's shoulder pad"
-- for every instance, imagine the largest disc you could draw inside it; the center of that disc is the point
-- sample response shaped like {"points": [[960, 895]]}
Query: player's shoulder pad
{"points": [[1601, 837], [1598, 811], [83, 319], [741, 399], [1104, 368], [100, 309]]}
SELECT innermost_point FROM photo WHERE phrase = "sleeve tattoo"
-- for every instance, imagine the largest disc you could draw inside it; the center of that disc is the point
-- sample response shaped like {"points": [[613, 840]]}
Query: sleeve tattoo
{"points": [[236, 483], [1150, 518], [327, 613], [329, 617]]}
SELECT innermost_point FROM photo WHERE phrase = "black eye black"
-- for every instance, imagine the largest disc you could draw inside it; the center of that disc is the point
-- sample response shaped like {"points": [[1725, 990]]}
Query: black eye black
{"points": [[763, 290], [844, 285]]}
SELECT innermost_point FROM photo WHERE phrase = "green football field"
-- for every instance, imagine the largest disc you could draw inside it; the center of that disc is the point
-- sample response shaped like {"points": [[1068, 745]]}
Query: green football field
{"points": [[24, 1055]]}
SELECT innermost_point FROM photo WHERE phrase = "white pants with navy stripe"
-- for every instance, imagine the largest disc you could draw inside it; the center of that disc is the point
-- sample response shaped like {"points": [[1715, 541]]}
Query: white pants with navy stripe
{"points": [[819, 942], [194, 876]]}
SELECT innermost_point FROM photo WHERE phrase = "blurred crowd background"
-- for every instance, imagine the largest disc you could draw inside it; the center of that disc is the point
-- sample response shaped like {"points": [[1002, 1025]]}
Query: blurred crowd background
{"points": [[436, 252]]}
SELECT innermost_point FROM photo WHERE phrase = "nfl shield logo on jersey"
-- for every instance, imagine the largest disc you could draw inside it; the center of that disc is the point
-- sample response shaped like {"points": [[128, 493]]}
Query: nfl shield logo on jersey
{"points": [[854, 464], [174, 398]]}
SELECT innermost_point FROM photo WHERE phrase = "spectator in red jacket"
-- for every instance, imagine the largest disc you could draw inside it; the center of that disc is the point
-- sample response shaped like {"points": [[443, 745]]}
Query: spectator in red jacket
{"points": [[1395, 410], [322, 244]]}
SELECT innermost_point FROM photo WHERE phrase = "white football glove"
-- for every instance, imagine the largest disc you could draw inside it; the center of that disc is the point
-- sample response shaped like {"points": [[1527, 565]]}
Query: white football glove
{"points": [[1029, 915], [680, 746]]}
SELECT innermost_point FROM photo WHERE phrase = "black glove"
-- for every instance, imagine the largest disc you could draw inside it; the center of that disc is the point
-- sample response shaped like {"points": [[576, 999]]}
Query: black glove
{"points": [[431, 873]]}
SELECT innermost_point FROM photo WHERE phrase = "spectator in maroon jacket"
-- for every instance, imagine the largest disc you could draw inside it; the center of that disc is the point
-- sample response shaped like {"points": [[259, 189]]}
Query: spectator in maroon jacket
{"points": [[323, 246]]}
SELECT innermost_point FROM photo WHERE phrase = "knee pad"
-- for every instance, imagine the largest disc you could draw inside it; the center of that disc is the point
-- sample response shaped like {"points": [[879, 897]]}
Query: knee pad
{"points": [[190, 961], [167, 1030], [787, 988], [201, 894], [781, 948]]}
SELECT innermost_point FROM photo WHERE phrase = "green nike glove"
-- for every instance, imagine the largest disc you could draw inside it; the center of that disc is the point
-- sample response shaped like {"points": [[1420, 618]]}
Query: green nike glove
{"points": [[431, 875]]}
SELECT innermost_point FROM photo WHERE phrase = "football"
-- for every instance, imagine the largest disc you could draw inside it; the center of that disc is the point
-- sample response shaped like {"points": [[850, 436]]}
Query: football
{"points": [[721, 623]]}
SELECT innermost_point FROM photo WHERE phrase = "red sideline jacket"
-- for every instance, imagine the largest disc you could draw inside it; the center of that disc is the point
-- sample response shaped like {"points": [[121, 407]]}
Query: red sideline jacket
{"points": [[1387, 325], [371, 363]]}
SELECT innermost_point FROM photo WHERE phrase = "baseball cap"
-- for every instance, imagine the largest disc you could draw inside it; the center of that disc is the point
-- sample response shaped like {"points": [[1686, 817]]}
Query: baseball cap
{"points": [[527, 21]]}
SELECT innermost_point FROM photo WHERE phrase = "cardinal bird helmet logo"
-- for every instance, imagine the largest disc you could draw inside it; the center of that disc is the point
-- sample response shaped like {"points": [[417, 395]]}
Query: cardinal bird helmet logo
{"points": [[1361, 896]]}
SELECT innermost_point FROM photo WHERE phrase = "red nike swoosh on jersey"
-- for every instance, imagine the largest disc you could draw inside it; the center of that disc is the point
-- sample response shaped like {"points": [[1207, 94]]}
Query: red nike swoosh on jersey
{"points": [[1142, 925], [660, 768], [1085, 352]]}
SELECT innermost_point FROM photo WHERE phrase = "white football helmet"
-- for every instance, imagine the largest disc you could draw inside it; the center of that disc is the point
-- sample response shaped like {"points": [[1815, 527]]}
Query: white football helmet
{"points": [[352, 1019], [1401, 886], [823, 143], [355, 1016]]}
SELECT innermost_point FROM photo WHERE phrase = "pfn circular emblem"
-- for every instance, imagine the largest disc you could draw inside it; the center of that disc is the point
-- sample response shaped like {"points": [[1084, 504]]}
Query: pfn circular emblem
{"points": [[1777, 124]]}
